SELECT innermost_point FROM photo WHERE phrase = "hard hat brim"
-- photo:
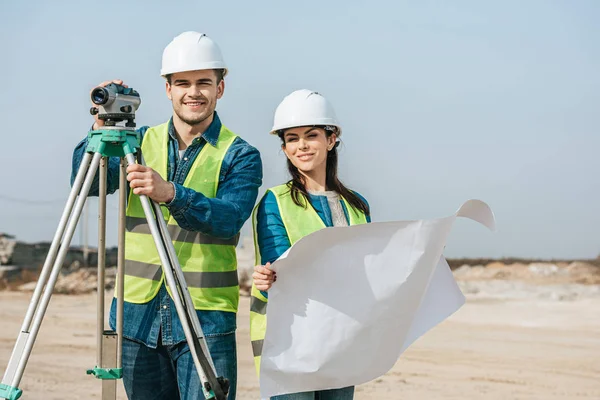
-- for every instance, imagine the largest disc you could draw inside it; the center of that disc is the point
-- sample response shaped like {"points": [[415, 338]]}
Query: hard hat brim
{"points": [[275, 130], [166, 72]]}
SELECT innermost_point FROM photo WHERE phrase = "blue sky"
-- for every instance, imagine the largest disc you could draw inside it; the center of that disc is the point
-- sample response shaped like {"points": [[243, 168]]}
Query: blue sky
{"points": [[440, 102]]}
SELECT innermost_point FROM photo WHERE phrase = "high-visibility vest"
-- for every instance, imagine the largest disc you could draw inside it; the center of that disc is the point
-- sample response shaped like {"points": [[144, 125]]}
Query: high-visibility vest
{"points": [[298, 222], [208, 263]]}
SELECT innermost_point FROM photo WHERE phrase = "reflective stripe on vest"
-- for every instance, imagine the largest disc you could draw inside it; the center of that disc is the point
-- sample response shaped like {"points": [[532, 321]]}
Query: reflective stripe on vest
{"points": [[209, 264], [298, 222]]}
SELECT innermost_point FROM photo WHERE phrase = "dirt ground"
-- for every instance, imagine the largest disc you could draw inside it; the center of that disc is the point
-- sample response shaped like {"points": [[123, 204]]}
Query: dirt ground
{"points": [[490, 349]]}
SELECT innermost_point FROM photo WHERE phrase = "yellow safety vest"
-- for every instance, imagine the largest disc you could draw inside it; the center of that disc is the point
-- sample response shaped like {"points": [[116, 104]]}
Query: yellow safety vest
{"points": [[298, 222], [208, 263]]}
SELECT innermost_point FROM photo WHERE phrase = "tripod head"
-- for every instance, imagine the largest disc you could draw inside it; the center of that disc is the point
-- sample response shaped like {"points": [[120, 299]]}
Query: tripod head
{"points": [[116, 103]]}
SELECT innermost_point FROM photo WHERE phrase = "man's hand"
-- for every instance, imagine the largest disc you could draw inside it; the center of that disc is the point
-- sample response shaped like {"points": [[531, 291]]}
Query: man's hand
{"points": [[263, 277], [98, 122], [145, 180]]}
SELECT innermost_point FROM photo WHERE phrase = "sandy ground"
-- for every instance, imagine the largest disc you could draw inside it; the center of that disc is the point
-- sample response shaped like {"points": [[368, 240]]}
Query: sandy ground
{"points": [[490, 349]]}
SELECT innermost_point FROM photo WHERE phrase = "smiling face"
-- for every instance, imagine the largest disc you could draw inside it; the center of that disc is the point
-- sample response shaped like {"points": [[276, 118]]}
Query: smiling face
{"points": [[194, 95], [307, 148]]}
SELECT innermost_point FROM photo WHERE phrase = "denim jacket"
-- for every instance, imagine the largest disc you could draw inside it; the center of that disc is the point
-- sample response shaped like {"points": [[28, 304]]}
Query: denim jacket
{"points": [[272, 238], [222, 217]]}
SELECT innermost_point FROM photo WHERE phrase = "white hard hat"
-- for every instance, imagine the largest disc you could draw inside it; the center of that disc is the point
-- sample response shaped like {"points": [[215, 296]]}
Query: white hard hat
{"points": [[191, 51], [304, 108]]}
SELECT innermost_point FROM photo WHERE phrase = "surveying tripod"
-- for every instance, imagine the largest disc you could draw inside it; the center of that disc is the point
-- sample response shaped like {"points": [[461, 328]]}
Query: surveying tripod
{"points": [[122, 142]]}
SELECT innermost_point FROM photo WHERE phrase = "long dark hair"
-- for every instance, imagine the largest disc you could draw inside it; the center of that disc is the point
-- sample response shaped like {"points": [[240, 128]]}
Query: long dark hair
{"points": [[332, 182]]}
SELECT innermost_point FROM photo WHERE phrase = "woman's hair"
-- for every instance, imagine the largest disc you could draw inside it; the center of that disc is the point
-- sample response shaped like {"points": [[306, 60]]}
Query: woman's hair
{"points": [[298, 190]]}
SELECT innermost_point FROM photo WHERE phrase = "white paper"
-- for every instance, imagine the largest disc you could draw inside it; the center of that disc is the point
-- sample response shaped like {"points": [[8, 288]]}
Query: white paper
{"points": [[348, 301]]}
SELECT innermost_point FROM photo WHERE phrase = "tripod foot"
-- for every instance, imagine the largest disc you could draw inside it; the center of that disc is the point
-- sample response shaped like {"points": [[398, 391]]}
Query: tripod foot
{"points": [[223, 383], [9, 392]]}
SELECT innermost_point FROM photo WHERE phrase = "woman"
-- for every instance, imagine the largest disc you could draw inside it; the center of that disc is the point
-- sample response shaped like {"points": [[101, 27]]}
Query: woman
{"points": [[313, 199]]}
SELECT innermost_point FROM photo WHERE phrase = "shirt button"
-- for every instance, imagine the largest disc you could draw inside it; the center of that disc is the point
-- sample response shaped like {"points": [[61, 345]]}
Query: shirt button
{"points": [[164, 307], [184, 158]]}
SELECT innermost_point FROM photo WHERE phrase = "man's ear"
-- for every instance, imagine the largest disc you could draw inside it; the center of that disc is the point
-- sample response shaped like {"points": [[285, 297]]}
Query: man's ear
{"points": [[168, 90], [220, 89]]}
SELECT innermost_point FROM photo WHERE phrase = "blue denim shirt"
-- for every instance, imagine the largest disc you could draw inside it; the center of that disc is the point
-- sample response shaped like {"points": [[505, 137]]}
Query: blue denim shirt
{"points": [[272, 238], [222, 217]]}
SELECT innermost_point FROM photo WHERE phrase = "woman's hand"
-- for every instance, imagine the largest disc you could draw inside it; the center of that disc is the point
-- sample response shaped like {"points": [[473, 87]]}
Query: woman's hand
{"points": [[263, 277]]}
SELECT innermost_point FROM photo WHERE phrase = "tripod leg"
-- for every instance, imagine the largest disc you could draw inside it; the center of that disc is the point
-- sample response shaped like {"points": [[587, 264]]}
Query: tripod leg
{"points": [[111, 363], [8, 381], [204, 368], [101, 258], [105, 340], [121, 261], [180, 279], [17, 366]]}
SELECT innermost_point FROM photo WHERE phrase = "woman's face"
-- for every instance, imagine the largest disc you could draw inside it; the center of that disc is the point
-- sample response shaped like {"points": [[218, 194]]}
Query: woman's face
{"points": [[307, 147]]}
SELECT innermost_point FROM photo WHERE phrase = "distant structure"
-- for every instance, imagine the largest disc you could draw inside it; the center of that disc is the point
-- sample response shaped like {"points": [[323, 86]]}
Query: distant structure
{"points": [[7, 247], [32, 255]]}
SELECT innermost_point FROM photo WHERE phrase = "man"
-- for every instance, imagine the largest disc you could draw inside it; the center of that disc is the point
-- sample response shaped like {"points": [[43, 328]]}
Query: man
{"points": [[208, 180]]}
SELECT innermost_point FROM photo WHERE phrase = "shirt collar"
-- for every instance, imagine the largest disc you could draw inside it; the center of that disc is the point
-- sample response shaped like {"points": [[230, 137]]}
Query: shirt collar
{"points": [[211, 134]]}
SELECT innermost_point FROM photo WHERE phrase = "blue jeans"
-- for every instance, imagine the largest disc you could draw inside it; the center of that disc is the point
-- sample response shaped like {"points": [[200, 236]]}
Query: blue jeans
{"points": [[168, 372], [346, 393]]}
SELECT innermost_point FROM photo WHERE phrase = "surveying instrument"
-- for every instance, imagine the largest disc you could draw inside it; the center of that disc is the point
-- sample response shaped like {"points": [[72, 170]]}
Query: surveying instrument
{"points": [[115, 104]]}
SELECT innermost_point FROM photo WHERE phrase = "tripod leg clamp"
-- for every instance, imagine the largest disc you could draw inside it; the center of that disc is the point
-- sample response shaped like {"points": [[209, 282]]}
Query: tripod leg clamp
{"points": [[106, 373], [9, 392]]}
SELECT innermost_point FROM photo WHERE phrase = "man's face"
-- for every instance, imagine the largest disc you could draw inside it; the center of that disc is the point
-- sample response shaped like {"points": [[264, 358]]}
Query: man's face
{"points": [[194, 94]]}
